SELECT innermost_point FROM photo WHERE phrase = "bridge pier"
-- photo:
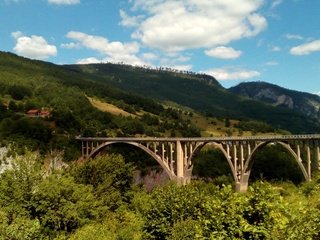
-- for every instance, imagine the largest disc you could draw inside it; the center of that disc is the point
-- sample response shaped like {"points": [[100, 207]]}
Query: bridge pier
{"points": [[183, 180], [242, 184], [179, 161], [318, 156], [175, 154], [183, 173]]}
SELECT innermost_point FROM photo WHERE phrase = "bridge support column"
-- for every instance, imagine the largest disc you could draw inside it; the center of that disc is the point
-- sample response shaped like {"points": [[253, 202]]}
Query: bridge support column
{"points": [[242, 184], [308, 163], [318, 157], [87, 149], [180, 164]]}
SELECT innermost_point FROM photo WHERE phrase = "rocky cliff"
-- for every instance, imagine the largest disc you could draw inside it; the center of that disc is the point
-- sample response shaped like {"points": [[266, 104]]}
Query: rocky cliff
{"points": [[306, 103]]}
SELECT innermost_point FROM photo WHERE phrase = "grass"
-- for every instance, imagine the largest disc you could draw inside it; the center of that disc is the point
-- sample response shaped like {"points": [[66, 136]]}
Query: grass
{"points": [[210, 127], [110, 108]]}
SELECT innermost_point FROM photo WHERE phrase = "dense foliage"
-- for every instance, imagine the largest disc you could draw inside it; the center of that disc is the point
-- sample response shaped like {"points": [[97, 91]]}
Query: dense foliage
{"points": [[65, 91], [200, 92], [33, 85], [96, 200]]}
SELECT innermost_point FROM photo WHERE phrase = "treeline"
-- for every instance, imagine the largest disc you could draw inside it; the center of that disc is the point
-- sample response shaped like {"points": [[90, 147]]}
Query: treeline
{"points": [[201, 93], [96, 200], [27, 84], [59, 130], [114, 67]]}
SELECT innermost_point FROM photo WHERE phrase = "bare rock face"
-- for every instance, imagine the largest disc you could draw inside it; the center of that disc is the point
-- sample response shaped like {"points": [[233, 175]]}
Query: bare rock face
{"points": [[5, 160], [305, 103], [274, 98], [285, 100]]}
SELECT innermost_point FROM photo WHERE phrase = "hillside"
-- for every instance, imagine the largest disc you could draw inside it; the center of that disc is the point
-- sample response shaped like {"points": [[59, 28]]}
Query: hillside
{"points": [[75, 103], [199, 92], [44, 106], [305, 103]]}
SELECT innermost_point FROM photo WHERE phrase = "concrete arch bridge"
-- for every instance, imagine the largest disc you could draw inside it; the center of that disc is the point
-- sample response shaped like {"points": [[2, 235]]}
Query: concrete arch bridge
{"points": [[175, 154]]}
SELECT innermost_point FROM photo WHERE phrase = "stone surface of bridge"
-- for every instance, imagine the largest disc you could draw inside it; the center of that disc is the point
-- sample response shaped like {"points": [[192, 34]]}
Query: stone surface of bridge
{"points": [[175, 154]]}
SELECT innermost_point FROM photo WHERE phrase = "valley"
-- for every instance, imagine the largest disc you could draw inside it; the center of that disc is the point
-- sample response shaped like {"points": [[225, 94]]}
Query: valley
{"points": [[48, 190]]}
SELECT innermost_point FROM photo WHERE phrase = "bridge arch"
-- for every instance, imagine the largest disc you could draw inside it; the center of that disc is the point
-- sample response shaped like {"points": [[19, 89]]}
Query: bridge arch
{"points": [[249, 162], [221, 148], [140, 146], [175, 154]]}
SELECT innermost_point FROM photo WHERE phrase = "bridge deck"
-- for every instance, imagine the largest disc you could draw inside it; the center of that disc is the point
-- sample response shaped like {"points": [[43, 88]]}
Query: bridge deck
{"points": [[204, 139], [175, 154]]}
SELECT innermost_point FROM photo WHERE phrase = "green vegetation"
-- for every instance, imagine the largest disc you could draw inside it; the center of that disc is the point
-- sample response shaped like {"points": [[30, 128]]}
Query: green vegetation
{"points": [[272, 163], [96, 200], [197, 91], [87, 100], [67, 96], [305, 103]]}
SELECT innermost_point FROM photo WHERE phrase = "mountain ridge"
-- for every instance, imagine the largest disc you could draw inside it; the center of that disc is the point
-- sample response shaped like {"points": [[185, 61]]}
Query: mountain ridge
{"points": [[209, 98], [306, 103], [134, 88]]}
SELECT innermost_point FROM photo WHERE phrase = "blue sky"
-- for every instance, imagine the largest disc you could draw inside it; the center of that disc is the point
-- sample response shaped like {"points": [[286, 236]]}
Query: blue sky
{"points": [[276, 41]]}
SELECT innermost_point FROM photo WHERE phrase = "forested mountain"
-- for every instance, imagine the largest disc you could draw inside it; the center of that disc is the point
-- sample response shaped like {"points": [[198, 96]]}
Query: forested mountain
{"points": [[156, 102], [43, 107], [200, 92], [306, 103]]}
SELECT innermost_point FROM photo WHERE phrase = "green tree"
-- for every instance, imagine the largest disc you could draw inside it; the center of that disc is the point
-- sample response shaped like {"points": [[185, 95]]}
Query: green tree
{"points": [[60, 204], [18, 92], [170, 205], [119, 225], [20, 228], [13, 106], [274, 162], [110, 177], [18, 184], [211, 163], [227, 123], [65, 119], [188, 229]]}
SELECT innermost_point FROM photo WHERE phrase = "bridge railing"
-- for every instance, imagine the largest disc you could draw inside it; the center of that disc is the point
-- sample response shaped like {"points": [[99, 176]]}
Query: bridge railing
{"points": [[204, 139]]}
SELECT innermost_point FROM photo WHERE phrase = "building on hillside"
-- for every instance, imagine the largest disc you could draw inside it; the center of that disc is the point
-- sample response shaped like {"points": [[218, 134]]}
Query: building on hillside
{"points": [[42, 113], [33, 113], [45, 113]]}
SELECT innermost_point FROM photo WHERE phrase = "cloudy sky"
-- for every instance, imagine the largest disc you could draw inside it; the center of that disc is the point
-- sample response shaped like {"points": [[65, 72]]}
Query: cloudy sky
{"points": [[276, 41]]}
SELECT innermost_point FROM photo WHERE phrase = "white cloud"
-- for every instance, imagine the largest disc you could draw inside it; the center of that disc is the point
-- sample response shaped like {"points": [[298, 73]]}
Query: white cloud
{"points": [[176, 61], [70, 45], [197, 23], [294, 37], [88, 60], [113, 51], [149, 56], [64, 2], [223, 53], [306, 49], [128, 21], [275, 3], [271, 63], [232, 74], [35, 47], [275, 49], [186, 67], [16, 34], [257, 24], [180, 67]]}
